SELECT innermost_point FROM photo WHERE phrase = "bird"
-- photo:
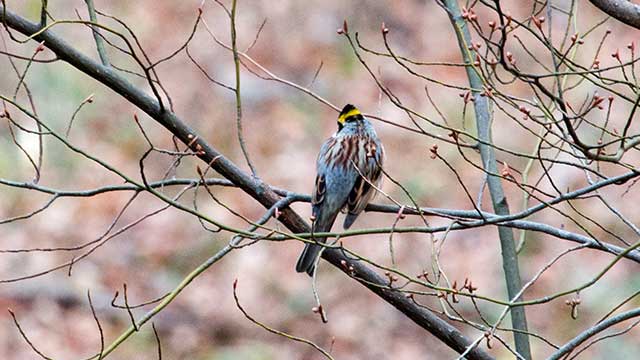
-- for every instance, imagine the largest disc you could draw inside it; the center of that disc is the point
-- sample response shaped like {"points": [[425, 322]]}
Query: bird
{"points": [[349, 169]]}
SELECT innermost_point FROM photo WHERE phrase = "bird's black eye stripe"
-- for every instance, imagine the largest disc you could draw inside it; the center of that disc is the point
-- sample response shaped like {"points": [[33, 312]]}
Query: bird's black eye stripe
{"points": [[354, 118]]}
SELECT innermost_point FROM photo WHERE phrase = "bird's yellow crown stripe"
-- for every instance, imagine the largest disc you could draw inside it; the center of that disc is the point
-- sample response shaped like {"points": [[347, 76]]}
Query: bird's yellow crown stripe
{"points": [[342, 118]]}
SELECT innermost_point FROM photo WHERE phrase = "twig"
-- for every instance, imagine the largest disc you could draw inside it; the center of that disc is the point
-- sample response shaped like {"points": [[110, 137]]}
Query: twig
{"points": [[155, 334], [102, 52], [274, 331], [95, 317], [236, 61], [88, 100], [583, 336], [24, 336]]}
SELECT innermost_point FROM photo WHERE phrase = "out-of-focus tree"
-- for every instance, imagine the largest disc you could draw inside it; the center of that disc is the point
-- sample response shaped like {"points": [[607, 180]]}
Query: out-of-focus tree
{"points": [[530, 130]]}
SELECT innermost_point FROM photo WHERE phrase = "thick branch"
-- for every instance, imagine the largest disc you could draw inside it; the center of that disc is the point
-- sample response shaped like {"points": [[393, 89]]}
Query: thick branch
{"points": [[622, 10], [487, 153], [252, 186]]}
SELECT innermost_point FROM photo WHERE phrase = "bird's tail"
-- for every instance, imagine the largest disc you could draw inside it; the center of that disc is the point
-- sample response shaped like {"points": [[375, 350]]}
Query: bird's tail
{"points": [[307, 260]]}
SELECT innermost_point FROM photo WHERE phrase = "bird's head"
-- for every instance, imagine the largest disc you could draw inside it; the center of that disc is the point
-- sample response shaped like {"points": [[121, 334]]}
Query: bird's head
{"points": [[348, 114]]}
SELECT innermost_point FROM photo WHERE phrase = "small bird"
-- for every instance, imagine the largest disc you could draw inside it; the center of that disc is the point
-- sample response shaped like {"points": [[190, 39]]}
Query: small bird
{"points": [[352, 152]]}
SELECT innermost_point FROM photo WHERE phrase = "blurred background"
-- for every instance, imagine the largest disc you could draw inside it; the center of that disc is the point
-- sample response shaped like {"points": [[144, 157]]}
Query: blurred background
{"points": [[284, 129]]}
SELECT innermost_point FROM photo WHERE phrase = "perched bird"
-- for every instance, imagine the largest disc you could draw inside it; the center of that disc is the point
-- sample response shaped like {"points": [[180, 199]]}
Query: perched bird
{"points": [[352, 152]]}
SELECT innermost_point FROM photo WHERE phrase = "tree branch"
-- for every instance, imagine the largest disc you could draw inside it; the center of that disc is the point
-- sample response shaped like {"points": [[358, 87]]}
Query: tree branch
{"points": [[102, 52], [622, 10], [260, 191], [487, 153], [582, 337]]}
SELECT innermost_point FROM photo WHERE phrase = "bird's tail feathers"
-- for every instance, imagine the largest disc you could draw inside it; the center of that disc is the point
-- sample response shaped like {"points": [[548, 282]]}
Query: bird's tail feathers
{"points": [[349, 219], [306, 261]]}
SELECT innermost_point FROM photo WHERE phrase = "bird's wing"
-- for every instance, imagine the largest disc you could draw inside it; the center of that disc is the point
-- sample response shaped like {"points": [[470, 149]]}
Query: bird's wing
{"points": [[319, 190], [363, 191], [328, 193]]}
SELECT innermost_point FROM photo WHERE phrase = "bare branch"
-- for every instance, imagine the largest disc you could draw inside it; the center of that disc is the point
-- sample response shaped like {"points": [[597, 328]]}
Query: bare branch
{"points": [[622, 10], [585, 335]]}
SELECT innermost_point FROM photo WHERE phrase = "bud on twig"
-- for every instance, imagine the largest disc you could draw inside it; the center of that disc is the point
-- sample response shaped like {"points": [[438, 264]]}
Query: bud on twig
{"points": [[525, 111], [487, 335], [344, 29], [573, 303], [616, 55], [465, 13], [466, 96], [506, 171], [344, 265], [537, 22], [510, 58], [434, 151], [508, 16], [597, 100]]}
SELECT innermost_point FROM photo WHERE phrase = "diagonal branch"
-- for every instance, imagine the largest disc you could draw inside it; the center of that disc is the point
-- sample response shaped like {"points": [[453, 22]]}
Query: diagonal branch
{"points": [[585, 335], [260, 191], [622, 10]]}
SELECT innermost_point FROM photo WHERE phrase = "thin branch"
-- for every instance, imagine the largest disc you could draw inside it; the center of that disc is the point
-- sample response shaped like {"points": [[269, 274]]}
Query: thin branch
{"points": [[24, 336], [102, 52], [272, 330], [157, 337], [236, 62], [95, 317], [585, 335]]}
